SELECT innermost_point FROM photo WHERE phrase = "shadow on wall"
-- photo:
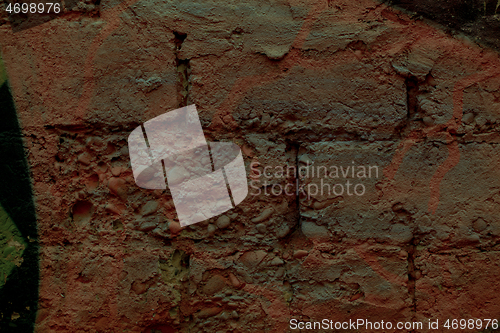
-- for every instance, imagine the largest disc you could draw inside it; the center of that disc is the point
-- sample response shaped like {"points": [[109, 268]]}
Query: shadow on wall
{"points": [[19, 273], [479, 19]]}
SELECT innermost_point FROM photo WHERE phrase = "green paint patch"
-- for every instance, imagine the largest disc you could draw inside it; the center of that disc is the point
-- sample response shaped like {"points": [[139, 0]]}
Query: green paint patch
{"points": [[3, 72], [12, 246]]}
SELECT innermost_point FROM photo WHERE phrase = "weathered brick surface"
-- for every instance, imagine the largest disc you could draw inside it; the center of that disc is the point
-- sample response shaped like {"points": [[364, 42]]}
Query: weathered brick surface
{"points": [[341, 283], [459, 283], [296, 84]]}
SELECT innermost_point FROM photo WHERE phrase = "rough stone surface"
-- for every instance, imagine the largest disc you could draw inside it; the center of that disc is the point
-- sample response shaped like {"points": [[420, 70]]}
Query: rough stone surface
{"points": [[297, 85], [457, 282]]}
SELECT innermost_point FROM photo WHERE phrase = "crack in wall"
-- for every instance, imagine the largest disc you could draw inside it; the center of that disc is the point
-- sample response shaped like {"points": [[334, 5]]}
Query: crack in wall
{"points": [[409, 125], [410, 122], [183, 67], [412, 90], [294, 147], [297, 176]]}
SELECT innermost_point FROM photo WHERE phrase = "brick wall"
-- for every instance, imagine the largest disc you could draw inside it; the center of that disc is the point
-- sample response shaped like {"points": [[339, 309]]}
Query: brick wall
{"points": [[297, 84]]}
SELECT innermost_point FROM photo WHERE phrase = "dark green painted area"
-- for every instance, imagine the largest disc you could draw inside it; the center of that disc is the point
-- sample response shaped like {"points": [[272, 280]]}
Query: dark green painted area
{"points": [[19, 294]]}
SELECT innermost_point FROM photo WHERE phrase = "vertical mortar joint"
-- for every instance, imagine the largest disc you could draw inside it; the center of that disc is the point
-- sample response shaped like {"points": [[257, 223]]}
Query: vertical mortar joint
{"points": [[183, 67]]}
